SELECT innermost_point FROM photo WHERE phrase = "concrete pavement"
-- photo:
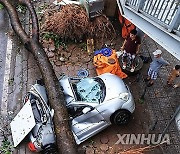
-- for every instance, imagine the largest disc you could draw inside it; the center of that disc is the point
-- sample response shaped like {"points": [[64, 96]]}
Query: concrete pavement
{"points": [[5, 56]]}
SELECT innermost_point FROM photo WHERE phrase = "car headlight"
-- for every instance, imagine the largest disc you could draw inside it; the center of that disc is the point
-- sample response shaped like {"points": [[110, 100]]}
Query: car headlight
{"points": [[124, 96]]}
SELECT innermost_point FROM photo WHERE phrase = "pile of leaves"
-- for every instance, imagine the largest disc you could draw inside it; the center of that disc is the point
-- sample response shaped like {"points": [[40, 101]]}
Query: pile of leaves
{"points": [[72, 22]]}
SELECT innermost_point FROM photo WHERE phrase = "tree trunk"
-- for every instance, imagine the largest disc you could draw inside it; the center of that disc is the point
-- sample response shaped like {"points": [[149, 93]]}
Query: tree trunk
{"points": [[65, 140]]}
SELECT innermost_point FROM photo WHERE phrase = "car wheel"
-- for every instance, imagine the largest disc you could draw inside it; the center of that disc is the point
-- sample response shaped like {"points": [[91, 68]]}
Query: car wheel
{"points": [[121, 117]]}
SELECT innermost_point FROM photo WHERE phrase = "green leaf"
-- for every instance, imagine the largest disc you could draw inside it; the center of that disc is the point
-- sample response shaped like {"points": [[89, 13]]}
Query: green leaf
{"points": [[1, 6], [5, 147]]}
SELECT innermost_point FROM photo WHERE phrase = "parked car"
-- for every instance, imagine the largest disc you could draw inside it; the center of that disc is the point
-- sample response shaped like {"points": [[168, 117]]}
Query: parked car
{"points": [[92, 103], [95, 103]]}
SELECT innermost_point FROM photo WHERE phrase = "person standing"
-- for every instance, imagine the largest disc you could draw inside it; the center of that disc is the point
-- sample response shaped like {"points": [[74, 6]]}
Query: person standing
{"points": [[126, 26], [155, 66], [174, 73], [130, 49]]}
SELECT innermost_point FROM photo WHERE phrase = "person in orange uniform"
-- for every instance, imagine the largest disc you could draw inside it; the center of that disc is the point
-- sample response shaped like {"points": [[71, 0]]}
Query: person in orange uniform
{"points": [[127, 26], [108, 63]]}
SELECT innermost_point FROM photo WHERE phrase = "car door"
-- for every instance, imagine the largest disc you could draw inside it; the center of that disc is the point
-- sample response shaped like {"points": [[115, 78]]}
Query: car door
{"points": [[86, 123]]}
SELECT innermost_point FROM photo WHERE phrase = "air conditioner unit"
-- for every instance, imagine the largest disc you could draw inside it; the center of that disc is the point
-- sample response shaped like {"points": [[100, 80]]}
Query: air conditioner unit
{"points": [[93, 8]]}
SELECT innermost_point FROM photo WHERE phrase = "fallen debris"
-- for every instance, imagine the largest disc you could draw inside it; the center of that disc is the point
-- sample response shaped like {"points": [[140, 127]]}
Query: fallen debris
{"points": [[72, 22]]}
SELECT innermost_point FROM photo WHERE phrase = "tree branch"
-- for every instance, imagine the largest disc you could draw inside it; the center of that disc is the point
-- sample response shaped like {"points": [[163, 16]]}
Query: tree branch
{"points": [[16, 25], [65, 140], [35, 26]]}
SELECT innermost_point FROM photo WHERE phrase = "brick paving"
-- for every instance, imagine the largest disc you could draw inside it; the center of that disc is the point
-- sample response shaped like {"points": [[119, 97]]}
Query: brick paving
{"points": [[160, 103], [162, 100]]}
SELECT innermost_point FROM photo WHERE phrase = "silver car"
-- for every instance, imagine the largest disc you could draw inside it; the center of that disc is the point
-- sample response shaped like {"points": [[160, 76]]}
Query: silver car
{"points": [[95, 103], [42, 136], [92, 103]]}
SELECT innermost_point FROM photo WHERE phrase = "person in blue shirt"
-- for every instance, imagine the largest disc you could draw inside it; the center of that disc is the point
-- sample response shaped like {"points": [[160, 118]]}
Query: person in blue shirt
{"points": [[155, 66]]}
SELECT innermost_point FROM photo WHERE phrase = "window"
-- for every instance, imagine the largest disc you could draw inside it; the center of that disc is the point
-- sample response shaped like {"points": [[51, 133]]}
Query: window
{"points": [[90, 90]]}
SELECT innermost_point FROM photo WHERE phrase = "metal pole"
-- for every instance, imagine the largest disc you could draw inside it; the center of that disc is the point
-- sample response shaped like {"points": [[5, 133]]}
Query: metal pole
{"points": [[141, 99], [174, 115]]}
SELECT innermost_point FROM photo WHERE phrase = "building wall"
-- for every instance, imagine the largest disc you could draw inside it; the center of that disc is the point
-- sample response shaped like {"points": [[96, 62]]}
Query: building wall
{"points": [[110, 7]]}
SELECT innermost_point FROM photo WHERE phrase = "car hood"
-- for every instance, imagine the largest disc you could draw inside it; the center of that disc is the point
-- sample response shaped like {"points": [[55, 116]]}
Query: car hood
{"points": [[114, 85]]}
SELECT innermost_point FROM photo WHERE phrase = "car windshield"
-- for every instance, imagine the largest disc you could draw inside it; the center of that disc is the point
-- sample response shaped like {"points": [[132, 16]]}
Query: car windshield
{"points": [[90, 90]]}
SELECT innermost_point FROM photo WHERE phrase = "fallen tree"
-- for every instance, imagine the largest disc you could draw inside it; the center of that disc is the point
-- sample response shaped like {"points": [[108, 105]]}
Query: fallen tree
{"points": [[65, 140], [72, 22]]}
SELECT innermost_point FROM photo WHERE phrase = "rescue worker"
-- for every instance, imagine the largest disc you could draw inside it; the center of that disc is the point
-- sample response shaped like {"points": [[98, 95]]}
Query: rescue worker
{"points": [[130, 49], [126, 26]]}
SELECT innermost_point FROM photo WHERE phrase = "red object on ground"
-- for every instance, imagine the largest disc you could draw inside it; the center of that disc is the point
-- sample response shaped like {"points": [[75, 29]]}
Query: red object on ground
{"points": [[32, 147]]}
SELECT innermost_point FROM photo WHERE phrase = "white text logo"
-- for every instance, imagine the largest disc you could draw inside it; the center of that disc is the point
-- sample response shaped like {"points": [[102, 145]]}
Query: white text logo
{"points": [[143, 139]]}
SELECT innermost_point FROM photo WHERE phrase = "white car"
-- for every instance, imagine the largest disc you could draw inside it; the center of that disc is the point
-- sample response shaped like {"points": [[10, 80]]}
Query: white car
{"points": [[95, 103], [92, 103]]}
